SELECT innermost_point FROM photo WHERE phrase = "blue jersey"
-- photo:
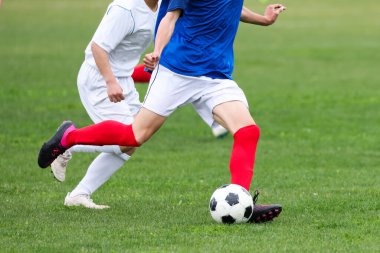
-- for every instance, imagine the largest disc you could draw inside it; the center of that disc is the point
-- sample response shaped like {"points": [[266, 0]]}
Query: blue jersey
{"points": [[202, 41]]}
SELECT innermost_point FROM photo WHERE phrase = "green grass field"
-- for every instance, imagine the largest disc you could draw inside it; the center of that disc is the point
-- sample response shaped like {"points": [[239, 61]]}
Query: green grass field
{"points": [[313, 85]]}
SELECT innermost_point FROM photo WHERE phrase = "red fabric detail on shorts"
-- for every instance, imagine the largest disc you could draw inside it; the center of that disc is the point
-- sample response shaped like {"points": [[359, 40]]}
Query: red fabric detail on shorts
{"points": [[108, 132], [140, 75], [243, 155]]}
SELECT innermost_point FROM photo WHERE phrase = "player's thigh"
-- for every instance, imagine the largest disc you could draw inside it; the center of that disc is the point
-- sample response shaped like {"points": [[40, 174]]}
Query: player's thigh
{"points": [[168, 91], [234, 115], [146, 123], [216, 93]]}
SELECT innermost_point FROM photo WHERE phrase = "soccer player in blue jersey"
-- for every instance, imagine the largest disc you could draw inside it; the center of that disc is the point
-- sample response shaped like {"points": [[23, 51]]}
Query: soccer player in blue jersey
{"points": [[193, 64]]}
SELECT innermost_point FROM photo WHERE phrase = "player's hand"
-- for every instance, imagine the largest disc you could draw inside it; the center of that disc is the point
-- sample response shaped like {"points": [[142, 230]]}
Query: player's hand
{"points": [[115, 92], [151, 60], [272, 11]]}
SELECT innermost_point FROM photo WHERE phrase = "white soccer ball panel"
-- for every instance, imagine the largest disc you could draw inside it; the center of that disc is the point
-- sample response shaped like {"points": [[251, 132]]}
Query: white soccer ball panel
{"points": [[219, 194], [216, 217], [223, 208], [237, 211]]}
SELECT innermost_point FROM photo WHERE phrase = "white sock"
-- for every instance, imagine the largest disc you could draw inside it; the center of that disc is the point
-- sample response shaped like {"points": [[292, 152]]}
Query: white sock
{"points": [[93, 149], [100, 170]]}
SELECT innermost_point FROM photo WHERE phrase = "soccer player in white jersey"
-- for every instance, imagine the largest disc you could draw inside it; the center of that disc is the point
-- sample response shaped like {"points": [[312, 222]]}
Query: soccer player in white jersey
{"points": [[195, 67], [107, 90]]}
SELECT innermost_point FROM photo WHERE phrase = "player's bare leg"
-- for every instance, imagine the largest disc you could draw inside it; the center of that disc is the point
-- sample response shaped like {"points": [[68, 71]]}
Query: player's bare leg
{"points": [[236, 118], [233, 115], [146, 124]]}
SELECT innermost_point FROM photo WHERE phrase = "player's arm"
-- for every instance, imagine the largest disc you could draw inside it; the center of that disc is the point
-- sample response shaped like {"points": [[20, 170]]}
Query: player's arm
{"points": [[165, 30], [114, 90], [164, 33], [271, 13], [117, 23]]}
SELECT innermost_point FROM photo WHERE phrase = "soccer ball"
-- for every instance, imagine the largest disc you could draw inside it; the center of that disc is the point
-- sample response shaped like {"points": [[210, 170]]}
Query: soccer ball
{"points": [[230, 204]]}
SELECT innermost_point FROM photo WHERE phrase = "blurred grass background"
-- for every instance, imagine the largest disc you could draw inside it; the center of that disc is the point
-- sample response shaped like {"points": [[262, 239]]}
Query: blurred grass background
{"points": [[312, 81]]}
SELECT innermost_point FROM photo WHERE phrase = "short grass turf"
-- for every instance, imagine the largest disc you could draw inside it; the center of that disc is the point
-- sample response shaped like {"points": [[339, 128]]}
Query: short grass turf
{"points": [[312, 82]]}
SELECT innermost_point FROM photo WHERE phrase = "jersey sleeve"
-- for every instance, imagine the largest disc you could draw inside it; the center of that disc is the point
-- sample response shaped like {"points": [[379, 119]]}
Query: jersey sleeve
{"points": [[116, 24], [178, 5]]}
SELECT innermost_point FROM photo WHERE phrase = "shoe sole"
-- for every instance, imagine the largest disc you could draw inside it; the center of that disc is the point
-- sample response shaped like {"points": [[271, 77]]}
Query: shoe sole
{"points": [[86, 207]]}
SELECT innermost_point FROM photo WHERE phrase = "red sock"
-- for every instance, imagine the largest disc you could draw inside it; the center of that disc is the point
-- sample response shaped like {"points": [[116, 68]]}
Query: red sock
{"points": [[140, 75], [108, 132], [243, 155]]}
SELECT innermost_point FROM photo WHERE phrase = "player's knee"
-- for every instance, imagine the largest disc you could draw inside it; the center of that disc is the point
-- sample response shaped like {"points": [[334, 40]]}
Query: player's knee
{"points": [[128, 150], [143, 136], [251, 132]]}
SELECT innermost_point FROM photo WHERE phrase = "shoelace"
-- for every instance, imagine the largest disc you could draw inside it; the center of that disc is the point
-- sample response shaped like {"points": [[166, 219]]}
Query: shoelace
{"points": [[255, 196]]}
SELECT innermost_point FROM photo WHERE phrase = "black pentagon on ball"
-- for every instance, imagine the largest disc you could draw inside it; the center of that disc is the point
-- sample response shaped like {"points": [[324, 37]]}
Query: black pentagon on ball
{"points": [[213, 204], [224, 186], [232, 199], [248, 212], [228, 219]]}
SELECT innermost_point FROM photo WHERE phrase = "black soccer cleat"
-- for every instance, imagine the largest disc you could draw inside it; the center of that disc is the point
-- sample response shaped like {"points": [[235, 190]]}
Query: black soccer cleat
{"points": [[264, 213], [52, 149]]}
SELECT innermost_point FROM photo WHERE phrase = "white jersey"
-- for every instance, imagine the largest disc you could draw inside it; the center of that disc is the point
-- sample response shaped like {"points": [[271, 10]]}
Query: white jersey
{"points": [[125, 32]]}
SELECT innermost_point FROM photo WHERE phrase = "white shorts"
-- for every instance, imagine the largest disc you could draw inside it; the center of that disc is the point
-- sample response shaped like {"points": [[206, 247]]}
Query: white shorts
{"points": [[168, 91], [93, 94]]}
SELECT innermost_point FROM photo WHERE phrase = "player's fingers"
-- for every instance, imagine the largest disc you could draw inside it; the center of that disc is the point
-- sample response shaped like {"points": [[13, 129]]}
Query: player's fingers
{"points": [[278, 11], [148, 63], [147, 59], [278, 8], [282, 8], [114, 98], [155, 57], [148, 56]]}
